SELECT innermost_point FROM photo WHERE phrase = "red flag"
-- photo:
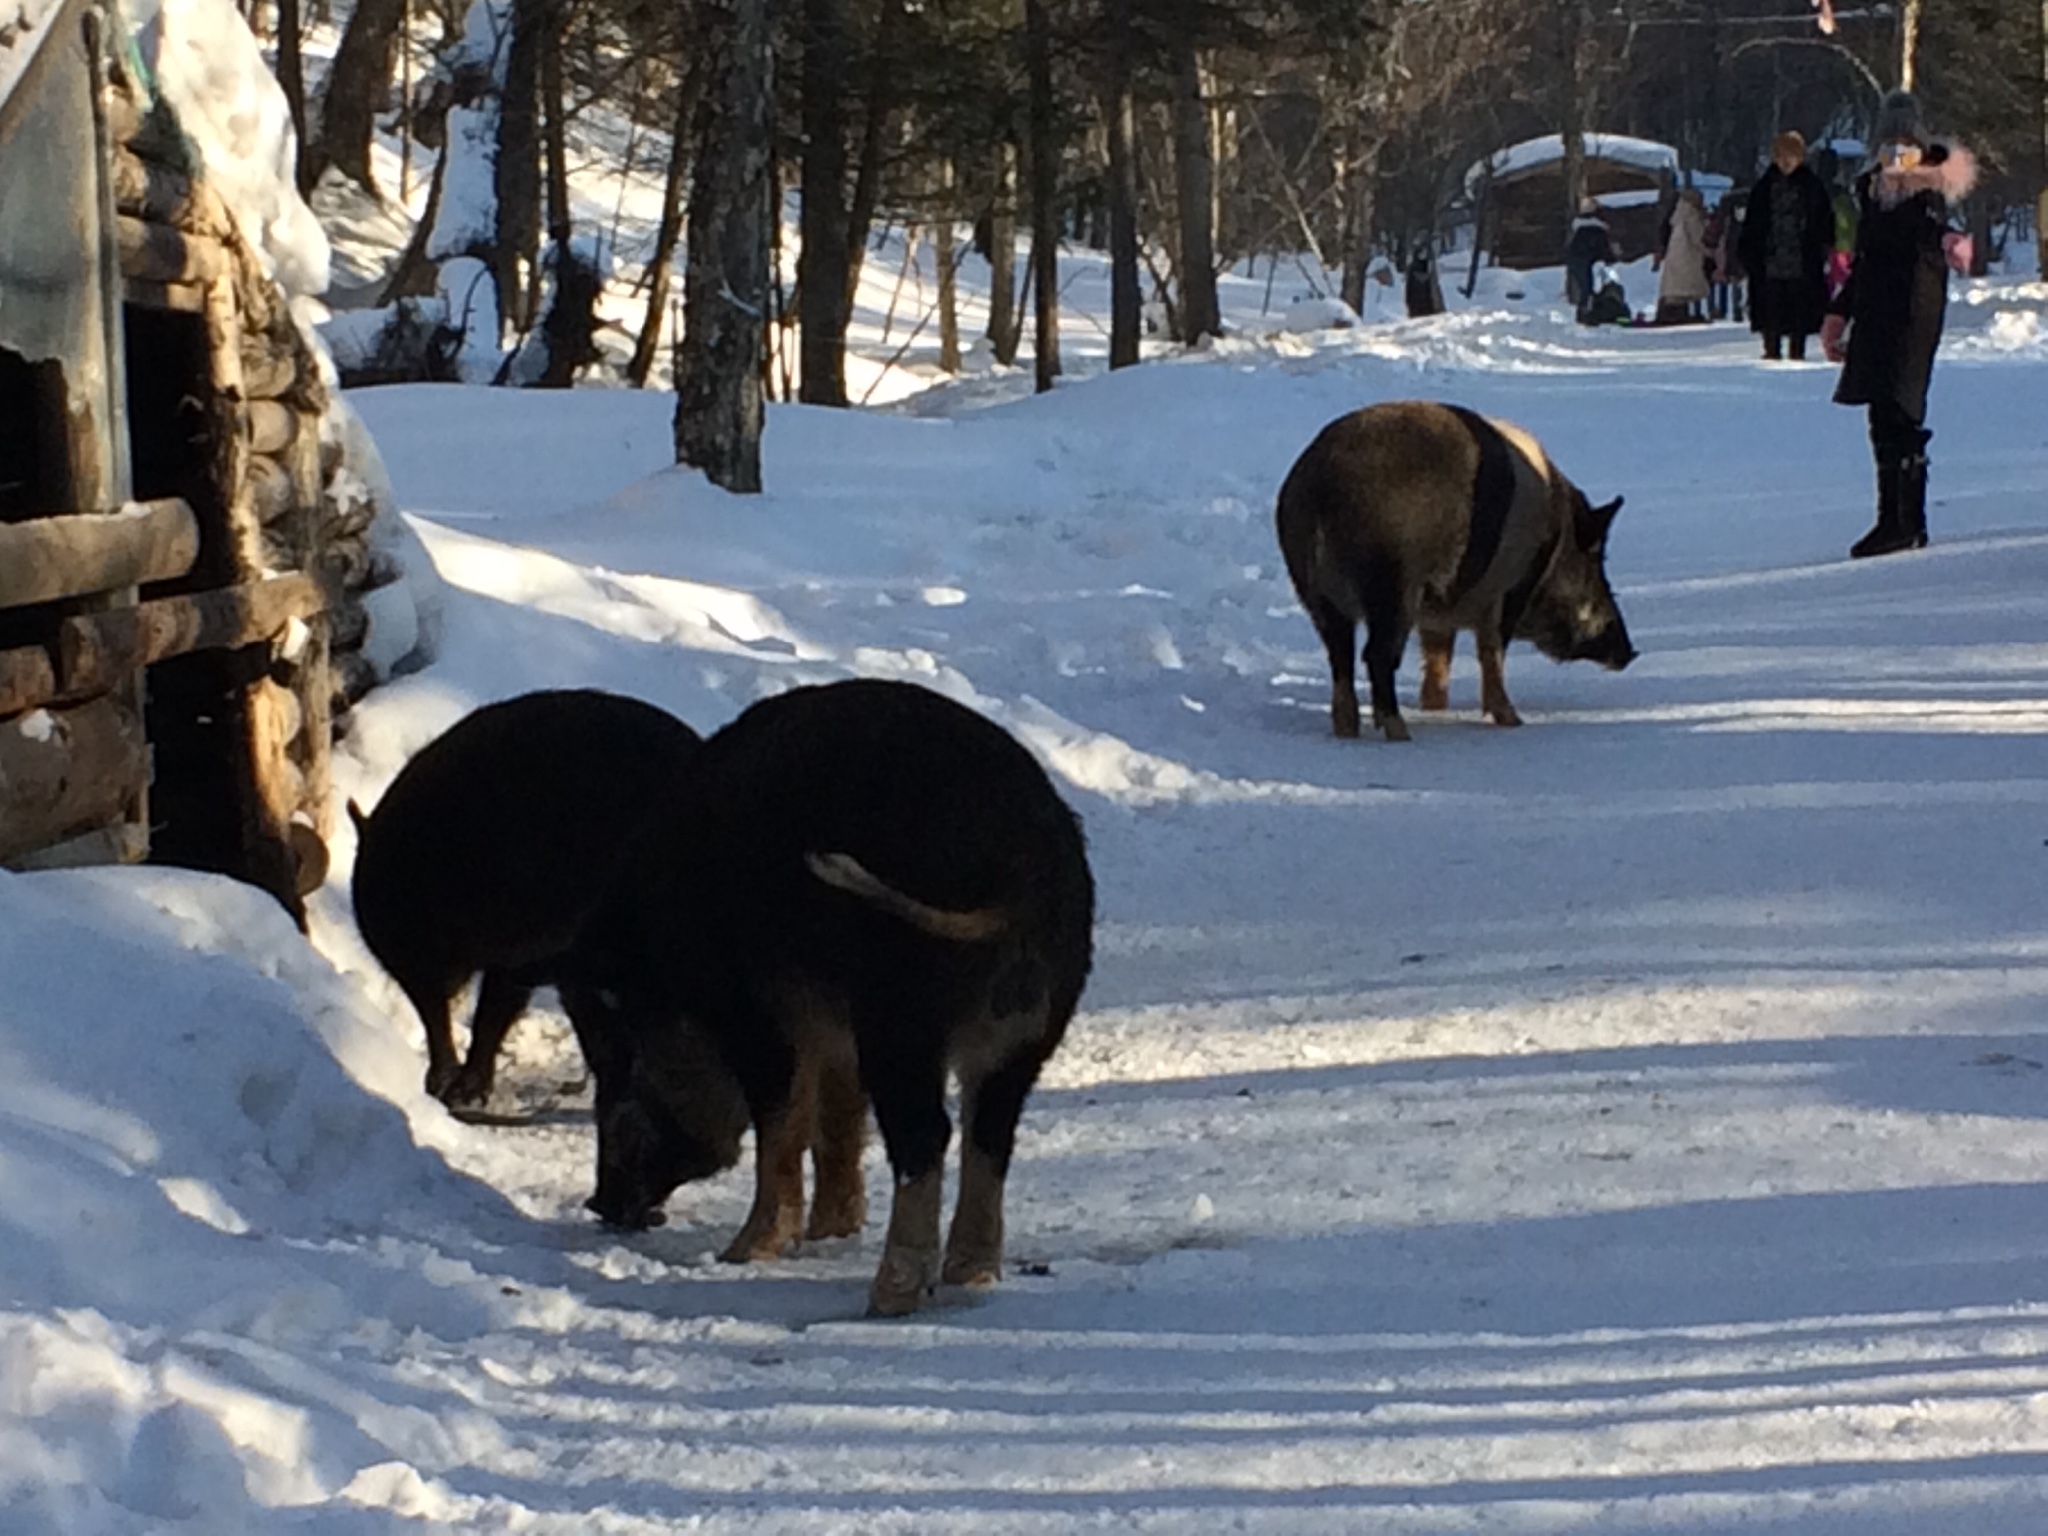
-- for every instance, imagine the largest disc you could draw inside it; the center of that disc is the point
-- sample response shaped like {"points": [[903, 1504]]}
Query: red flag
{"points": [[1827, 15]]}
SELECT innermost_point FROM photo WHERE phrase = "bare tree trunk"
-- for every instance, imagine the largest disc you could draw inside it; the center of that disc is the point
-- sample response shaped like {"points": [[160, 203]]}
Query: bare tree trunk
{"points": [[560, 223], [1005, 325], [1361, 172], [1194, 187], [356, 86], [719, 407], [1909, 43], [1126, 297], [949, 288], [1572, 113], [516, 178], [867, 181], [670, 230], [1045, 212], [291, 77], [824, 284]]}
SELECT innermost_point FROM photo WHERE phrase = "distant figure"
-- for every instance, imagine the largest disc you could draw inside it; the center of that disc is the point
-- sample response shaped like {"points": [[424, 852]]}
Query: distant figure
{"points": [[1786, 240], [1589, 247], [1425, 294], [1682, 280], [1885, 324], [1724, 259]]}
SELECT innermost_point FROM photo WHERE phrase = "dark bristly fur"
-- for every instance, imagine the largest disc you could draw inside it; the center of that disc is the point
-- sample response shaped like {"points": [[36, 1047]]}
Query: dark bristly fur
{"points": [[491, 845], [1416, 515], [861, 881]]}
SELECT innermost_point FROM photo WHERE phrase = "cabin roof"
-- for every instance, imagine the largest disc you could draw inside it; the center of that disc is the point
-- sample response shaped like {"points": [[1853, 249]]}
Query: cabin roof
{"points": [[1532, 155]]}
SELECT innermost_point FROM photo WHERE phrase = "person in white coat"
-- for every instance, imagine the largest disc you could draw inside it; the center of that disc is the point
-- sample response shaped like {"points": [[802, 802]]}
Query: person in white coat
{"points": [[1682, 274]]}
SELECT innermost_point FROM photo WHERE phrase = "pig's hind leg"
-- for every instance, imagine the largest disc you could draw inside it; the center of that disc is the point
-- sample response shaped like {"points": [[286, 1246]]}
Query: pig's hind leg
{"points": [[839, 1201], [1337, 629], [989, 1109], [1437, 645], [905, 1075], [1387, 622], [782, 1134]]}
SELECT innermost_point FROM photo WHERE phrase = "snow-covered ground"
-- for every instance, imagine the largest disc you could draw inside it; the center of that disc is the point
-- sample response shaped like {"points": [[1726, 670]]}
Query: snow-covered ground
{"points": [[1633, 1122]]}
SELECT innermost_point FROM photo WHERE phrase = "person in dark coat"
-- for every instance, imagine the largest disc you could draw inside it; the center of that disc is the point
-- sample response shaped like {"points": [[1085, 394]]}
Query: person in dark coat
{"points": [[1787, 234], [1422, 290], [1885, 324], [1589, 247]]}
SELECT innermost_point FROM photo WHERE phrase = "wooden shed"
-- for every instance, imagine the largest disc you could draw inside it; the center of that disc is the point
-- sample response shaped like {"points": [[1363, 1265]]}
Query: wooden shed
{"points": [[165, 680], [1524, 215]]}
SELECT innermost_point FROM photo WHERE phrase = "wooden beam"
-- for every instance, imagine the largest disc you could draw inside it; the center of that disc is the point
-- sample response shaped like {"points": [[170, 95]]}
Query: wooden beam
{"points": [[96, 650], [67, 771], [48, 558]]}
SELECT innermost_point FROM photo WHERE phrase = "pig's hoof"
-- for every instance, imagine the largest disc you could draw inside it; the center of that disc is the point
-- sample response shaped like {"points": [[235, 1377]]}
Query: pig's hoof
{"points": [[440, 1079], [1344, 727], [757, 1247], [838, 1219], [902, 1283], [628, 1221], [1434, 698], [977, 1270], [467, 1088], [1393, 727], [1504, 715]]}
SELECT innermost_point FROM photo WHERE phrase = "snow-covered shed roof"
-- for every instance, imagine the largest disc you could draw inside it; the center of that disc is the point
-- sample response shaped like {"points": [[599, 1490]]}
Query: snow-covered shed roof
{"points": [[1530, 154]]}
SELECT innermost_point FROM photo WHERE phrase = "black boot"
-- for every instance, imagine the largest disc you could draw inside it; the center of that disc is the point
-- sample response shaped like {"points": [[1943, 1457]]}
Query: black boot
{"points": [[1901, 509], [1883, 536], [1913, 501]]}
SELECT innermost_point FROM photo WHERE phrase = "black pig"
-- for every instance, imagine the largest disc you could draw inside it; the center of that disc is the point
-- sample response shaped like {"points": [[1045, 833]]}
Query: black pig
{"points": [[856, 890], [1419, 515], [491, 845]]}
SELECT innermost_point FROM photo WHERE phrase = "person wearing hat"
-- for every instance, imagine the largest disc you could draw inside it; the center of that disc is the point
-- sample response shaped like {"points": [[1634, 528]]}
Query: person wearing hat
{"points": [[1589, 247], [1885, 324], [1787, 237]]}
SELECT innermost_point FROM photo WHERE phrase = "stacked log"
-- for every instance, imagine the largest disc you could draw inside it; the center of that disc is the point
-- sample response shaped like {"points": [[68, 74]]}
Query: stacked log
{"points": [[180, 250], [295, 508]]}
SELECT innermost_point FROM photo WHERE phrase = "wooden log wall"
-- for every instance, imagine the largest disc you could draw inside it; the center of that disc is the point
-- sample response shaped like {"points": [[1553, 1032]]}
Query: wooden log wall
{"points": [[270, 575]]}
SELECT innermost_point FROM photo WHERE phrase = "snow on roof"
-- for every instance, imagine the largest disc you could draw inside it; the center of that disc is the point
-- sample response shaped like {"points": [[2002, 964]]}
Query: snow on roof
{"points": [[202, 59], [23, 26], [1645, 154]]}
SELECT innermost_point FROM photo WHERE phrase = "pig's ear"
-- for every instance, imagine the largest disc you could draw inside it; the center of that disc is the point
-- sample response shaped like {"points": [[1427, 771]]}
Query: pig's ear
{"points": [[1591, 523]]}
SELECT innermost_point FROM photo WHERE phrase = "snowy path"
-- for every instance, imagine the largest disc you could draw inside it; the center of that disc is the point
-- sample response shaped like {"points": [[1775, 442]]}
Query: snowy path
{"points": [[1630, 1123]]}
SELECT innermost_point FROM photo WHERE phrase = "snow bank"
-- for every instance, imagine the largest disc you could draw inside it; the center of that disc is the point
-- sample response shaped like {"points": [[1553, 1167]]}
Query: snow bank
{"points": [[203, 59], [193, 1104]]}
